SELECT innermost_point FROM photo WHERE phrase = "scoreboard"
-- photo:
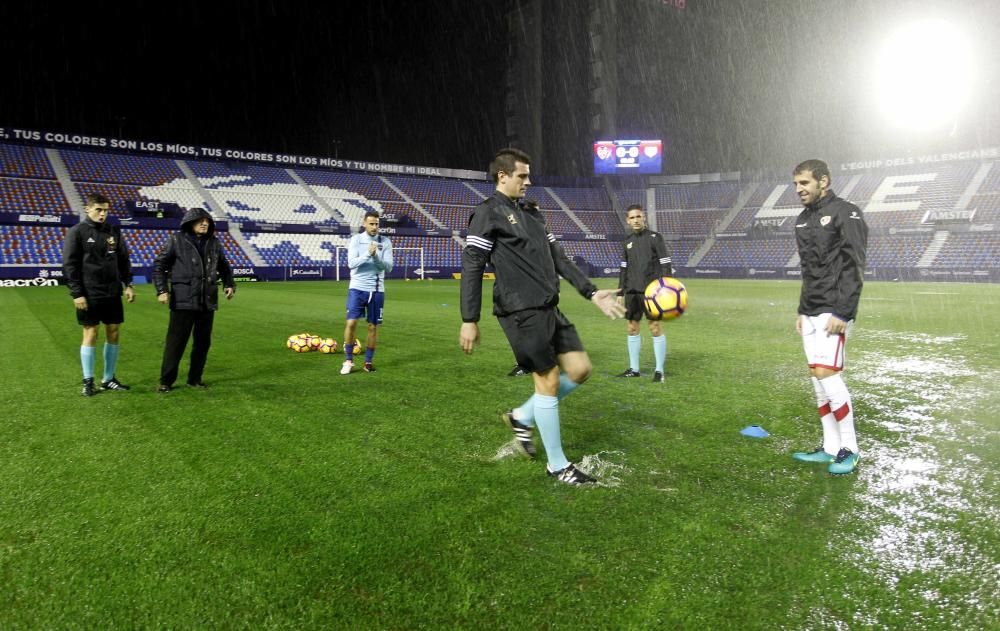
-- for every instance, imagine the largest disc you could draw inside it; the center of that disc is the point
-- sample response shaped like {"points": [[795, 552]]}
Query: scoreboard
{"points": [[628, 157]]}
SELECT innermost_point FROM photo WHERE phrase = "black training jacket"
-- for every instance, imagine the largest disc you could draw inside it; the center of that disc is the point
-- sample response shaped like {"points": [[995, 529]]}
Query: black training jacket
{"points": [[645, 258], [193, 277], [95, 260], [832, 237], [525, 256]]}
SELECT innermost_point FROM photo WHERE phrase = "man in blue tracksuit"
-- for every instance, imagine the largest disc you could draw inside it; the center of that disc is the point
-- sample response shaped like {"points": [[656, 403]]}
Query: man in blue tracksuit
{"points": [[369, 255]]}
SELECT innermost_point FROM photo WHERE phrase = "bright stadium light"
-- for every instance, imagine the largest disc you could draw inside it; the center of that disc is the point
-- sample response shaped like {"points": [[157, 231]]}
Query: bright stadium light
{"points": [[924, 75]]}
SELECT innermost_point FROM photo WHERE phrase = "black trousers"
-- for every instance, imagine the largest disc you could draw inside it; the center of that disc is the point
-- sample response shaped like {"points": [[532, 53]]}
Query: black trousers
{"points": [[178, 331]]}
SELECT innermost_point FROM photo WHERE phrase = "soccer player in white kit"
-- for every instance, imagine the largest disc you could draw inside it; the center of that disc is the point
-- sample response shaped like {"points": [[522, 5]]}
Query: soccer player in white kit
{"points": [[832, 239]]}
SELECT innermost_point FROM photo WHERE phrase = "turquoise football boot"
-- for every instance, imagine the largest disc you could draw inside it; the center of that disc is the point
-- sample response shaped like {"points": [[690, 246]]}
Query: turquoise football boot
{"points": [[816, 455], [845, 463]]}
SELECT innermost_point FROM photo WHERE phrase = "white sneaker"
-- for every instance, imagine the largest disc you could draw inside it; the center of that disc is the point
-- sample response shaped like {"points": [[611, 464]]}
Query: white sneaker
{"points": [[346, 368]]}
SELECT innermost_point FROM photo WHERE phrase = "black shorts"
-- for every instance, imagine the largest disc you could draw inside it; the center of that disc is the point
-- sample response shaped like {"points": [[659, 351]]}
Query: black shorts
{"points": [[635, 307], [106, 310], [538, 336]]}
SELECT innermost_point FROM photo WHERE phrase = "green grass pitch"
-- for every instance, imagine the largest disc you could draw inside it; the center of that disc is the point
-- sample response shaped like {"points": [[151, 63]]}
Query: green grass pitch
{"points": [[289, 496]]}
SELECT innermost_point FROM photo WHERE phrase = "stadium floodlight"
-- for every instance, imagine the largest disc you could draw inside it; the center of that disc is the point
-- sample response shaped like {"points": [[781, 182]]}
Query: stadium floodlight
{"points": [[924, 75]]}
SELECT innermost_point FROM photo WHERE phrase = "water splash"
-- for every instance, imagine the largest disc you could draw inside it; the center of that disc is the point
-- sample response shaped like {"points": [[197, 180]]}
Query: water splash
{"points": [[600, 466], [508, 450]]}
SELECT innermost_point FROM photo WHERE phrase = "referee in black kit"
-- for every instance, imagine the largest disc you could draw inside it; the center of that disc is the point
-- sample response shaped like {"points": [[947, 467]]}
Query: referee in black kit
{"points": [[528, 262]]}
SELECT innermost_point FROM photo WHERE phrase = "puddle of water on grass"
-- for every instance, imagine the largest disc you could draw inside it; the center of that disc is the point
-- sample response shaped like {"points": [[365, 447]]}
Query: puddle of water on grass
{"points": [[920, 502]]}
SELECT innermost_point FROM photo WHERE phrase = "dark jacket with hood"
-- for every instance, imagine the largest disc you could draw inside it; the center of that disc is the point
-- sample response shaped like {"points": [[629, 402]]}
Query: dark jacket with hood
{"points": [[95, 260], [189, 267]]}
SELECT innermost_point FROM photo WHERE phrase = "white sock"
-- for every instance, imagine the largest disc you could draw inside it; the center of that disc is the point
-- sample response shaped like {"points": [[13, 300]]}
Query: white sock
{"points": [[831, 431], [843, 410]]}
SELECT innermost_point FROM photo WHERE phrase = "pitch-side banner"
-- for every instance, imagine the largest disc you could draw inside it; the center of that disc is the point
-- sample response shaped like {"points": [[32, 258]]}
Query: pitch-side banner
{"points": [[41, 220], [21, 276], [124, 222], [301, 228], [198, 152]]}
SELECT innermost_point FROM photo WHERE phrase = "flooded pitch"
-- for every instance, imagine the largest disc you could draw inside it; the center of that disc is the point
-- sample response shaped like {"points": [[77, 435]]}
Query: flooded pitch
{"points": [[927, 493]]}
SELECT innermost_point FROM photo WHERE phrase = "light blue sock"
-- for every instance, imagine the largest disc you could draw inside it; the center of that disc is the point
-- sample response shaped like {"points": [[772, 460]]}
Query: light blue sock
{"points": [[660, 351], [526, 413], [547, 419], [634, 342], [87, 356], [566, 386], [110, 360]]}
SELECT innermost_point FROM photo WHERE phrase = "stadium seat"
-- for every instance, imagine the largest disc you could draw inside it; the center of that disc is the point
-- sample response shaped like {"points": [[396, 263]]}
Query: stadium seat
{"points": [[44, 197]]}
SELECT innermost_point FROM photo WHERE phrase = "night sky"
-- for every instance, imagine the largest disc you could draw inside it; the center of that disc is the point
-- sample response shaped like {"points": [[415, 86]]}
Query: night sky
{"points": [[747, 83], [375, 80]]}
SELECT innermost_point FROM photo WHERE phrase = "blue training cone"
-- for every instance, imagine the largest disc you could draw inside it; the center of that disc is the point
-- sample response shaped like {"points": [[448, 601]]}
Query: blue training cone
{"points": [[754, 431]]}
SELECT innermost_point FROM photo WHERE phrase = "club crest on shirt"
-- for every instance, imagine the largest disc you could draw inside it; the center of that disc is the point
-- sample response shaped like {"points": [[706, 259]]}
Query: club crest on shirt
{"points": [[629, 246], [825, 220], [511, 218]]}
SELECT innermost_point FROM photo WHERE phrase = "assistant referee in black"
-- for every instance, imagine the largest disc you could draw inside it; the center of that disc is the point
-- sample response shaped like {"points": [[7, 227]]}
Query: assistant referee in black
{"points": [[644, 259]]}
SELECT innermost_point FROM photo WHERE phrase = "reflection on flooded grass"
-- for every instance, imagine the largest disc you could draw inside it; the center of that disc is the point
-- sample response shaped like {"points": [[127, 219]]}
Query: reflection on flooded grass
{"points": [[927, 496]]}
